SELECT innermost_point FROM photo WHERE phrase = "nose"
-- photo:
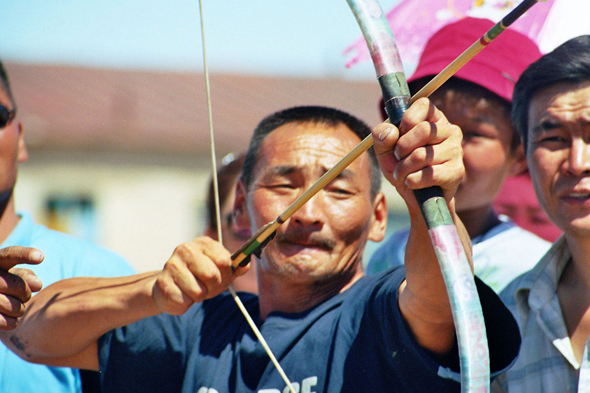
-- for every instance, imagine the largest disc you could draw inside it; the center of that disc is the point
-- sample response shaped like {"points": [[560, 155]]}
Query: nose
{"points": [[579, 157], [310, 214]]}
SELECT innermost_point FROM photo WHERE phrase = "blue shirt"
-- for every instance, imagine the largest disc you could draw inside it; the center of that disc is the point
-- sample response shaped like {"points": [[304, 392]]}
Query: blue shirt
{"points": [[65, 256], [356, 341]]}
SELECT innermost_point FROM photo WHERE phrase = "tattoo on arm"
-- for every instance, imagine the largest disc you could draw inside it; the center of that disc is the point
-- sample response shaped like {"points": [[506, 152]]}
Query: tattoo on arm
{"points": [[21, 346]]}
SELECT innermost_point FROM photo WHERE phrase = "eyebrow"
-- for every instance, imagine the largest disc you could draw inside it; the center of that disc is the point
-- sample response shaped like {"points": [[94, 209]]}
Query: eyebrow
{"points": [[285, 170], [346, 174], [545, 125], [281, 170]]}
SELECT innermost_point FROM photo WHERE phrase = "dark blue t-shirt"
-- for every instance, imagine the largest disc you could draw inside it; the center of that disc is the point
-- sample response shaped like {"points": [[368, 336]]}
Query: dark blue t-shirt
{"points": [[356, 341]]}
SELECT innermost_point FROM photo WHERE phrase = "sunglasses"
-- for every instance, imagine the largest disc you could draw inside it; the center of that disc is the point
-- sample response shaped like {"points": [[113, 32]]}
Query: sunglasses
{"points": [[6, 116]]}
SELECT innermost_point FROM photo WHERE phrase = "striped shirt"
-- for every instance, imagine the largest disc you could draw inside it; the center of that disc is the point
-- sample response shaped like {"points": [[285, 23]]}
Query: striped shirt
{"points": [[546, 362]]}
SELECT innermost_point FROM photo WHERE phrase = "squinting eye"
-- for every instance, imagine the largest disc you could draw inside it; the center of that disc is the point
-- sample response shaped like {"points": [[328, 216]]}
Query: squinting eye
{"points": [[554, 138], [468, 135], [339, 191]]}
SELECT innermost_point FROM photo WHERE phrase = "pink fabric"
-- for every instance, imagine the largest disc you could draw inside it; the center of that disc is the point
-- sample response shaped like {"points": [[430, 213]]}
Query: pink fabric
{"points": [[497, 67], [518, 201], [414, 21]]}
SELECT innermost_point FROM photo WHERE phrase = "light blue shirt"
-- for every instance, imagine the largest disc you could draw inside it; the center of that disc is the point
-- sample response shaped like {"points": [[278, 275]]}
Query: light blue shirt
{"points": [[65, 256]]}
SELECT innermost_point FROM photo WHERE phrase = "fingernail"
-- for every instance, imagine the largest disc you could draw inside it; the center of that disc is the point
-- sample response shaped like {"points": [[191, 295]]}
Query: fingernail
{"points": [[36, 281], [36, 256], [385, 133]]}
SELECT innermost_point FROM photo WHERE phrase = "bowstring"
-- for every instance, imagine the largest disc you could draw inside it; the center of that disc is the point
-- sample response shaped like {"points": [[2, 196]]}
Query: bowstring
{"points": [[233, 293]]}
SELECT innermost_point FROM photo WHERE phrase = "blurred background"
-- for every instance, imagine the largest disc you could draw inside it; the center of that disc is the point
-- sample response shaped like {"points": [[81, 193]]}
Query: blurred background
{"points": [[111, 94]]}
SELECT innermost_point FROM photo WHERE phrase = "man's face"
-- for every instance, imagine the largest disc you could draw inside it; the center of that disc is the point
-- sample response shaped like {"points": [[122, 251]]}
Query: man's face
{"points": [[326, 237], [487, 139], [12, 151], [558, 154]]}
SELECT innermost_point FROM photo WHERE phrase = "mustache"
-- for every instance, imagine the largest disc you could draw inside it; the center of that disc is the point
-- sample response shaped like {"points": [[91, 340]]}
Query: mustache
{"points": [[313, 239]]}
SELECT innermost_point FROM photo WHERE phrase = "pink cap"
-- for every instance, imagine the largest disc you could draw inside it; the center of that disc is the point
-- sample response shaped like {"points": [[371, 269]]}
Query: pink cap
{"points": [[497, 67]]}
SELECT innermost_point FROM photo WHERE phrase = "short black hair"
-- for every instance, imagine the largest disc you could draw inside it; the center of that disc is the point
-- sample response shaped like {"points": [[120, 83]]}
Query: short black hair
{"points": [[308, 114], [568, 63]]}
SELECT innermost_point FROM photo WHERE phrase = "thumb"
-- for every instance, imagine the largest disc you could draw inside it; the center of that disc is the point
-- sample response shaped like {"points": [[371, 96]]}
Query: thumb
{"points": [[14, 255]]}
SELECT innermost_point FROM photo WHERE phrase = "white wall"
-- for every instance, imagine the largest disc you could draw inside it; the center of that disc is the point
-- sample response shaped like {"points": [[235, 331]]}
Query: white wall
{"points": [[143, 209]]}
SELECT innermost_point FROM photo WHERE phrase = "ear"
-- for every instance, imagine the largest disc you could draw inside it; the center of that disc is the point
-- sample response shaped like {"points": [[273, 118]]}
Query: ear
{"points": [[240, 211], [519, 165], [22, 155], [379, 219]]}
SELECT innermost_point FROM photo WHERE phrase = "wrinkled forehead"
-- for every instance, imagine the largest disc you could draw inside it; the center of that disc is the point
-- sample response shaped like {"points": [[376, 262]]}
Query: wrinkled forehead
{"points": [[316, 138], [560, 100], [309, 144]]}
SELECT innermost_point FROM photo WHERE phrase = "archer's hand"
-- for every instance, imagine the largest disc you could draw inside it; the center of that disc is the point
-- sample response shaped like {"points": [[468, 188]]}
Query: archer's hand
{"points": [[425, 151], [16, 284], [196, 271]]}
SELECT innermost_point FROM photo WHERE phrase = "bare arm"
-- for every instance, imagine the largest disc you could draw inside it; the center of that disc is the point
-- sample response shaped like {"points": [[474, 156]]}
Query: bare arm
{"points": [[64, 321], [425, 151]]}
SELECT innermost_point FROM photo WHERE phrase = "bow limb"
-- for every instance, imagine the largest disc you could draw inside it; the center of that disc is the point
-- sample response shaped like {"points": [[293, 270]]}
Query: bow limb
{"points": [[455, 268]]}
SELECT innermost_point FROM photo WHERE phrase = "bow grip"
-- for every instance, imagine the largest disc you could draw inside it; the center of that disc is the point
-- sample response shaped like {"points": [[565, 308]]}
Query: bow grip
{"points": [[395, 108]]}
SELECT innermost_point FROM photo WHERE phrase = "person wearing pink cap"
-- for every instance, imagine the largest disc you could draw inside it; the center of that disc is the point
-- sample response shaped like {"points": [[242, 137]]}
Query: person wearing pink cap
{"points": [[478, 99]]}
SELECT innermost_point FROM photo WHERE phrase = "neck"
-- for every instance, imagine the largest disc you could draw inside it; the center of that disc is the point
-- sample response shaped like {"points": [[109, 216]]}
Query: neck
{"points": [[479, 220], [8, 218], [280, 294], [580, 262]]}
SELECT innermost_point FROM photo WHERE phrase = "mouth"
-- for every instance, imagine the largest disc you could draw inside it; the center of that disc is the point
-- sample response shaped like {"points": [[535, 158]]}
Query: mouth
{"points": [[576, 196], [305, 242]]}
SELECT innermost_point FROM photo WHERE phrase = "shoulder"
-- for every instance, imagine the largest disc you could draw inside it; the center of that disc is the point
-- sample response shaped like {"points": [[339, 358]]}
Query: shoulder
{"points": [[508, 232], [542, 279], [505, 253], [511, 244], [518, 234]]}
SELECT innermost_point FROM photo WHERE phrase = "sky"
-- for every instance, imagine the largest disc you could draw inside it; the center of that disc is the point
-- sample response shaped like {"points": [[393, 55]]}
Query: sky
{"points": [[267, 37]]}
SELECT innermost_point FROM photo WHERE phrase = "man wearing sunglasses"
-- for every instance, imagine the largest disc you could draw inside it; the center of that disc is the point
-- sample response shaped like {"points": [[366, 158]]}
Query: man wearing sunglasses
{"points": [[16, 284], [21, 239]]}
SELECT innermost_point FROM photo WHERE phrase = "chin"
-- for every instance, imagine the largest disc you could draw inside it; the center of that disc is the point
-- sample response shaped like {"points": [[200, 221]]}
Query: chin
{"points": [[579, 227]]}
